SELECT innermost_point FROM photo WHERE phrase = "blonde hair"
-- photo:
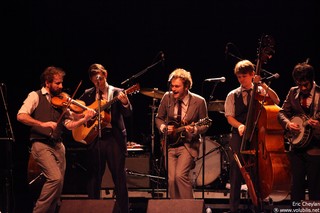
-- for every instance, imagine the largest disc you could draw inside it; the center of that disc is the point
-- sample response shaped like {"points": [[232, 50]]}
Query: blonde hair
{"points": [[184, 75]]}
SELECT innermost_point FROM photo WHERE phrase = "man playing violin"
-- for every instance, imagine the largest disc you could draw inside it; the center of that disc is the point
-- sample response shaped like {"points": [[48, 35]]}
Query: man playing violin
{"points": [[236, 109], [302, 104], [47, 122]]}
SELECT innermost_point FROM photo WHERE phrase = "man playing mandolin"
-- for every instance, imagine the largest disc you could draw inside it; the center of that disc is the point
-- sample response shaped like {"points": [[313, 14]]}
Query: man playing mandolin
{"points": [[299, 116], [182, 145]]}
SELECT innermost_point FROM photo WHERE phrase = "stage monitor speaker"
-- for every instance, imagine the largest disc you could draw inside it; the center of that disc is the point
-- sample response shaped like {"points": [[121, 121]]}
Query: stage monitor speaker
{"points": [[88, 206], [139, 167], [175, 205]]}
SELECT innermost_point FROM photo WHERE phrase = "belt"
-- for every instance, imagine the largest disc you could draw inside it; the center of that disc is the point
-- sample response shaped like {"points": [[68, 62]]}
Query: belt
{"points": [[176, 145], [48, 141]]}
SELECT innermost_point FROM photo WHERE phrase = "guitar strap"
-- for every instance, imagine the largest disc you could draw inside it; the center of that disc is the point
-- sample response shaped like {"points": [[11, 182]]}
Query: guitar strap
{"points": [[110, 92], [316, 102], [110, 97]]}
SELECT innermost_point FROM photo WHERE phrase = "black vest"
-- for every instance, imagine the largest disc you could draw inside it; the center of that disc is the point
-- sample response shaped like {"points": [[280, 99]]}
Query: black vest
{"points": [[45, 112], [241, 110]]}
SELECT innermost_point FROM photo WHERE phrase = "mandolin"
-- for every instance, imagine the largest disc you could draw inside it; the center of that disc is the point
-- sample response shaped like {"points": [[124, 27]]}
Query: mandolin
{"points": [[178, 133]]}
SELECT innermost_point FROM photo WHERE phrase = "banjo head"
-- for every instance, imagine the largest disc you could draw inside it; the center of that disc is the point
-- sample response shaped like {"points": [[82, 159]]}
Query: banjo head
{"points": [[302, 138]]}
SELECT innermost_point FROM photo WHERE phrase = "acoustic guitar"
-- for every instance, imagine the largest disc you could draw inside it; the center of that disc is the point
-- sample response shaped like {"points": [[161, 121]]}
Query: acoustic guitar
{"points": [[87, 132]]}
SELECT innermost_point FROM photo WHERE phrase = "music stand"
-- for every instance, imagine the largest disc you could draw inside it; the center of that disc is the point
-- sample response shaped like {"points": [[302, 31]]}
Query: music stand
{"points": [[6, 162]]}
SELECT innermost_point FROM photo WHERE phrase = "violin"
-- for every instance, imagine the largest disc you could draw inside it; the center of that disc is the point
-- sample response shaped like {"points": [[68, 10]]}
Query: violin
{"points": [[63, 100]]}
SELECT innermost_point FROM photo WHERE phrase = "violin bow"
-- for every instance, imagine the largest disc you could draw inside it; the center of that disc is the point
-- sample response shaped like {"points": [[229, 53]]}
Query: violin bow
{"points": [[68, 104]]}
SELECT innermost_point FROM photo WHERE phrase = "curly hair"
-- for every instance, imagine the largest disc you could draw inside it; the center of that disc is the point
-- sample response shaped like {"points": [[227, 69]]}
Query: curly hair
{"points": [[184, 75], [49, 73]]}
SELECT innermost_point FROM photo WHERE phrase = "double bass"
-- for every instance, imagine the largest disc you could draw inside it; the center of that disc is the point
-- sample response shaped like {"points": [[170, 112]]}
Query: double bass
{"points": [[267, 167]]}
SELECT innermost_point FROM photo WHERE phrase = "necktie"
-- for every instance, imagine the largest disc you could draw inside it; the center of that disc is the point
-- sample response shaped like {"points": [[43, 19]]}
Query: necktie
{"points": [[179, 111], [248, 91], [304, 100]]}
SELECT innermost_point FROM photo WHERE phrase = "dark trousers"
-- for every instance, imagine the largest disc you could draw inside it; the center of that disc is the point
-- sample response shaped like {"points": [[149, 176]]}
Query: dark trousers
{"points": [[305, 175], [236, 178], [102, 151]]}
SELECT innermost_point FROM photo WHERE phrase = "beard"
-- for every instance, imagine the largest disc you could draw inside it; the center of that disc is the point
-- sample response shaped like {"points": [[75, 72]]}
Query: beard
{"points": [[55, 92]]}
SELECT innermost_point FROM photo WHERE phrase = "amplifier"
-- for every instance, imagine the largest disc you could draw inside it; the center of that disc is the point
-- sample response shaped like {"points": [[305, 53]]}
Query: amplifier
{"points": [[138, 169]]}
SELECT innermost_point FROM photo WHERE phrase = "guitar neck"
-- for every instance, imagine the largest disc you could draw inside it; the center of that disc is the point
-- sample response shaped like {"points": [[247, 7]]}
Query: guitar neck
{"points": [[205, 121], [115, 99], [108, 104], [316, 116], [182, 128]]}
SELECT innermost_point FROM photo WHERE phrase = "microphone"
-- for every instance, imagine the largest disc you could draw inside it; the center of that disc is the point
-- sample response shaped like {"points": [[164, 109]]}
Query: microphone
{"points": [[221, 79], [307, 61], [162, 56], [274, 76], [98, 77], [170, 78], [227, 49]]}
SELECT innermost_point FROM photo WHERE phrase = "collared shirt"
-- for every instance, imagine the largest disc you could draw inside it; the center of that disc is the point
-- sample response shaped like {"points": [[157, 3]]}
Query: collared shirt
{"points": [[32, 101], [229, 105], [245, 95], [310, 97], [184, 107], [104, 93]]}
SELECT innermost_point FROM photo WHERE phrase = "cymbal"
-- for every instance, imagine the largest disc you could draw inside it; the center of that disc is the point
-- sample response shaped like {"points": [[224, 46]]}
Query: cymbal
{"points": [[217, 105], [153, 93]]}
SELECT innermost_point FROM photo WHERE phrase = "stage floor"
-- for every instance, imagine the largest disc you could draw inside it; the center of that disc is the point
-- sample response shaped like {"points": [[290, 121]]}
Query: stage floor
{"points": [[216, 200]]}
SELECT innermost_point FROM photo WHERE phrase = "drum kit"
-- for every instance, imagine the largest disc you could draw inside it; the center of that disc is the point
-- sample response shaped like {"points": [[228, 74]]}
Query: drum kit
{"points": [[217, 105], [214, 164], [154, 94], [215, 159]]}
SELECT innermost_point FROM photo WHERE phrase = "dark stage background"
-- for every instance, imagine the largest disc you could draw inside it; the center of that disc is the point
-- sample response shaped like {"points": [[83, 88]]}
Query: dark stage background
{"points": [[128, 36]]}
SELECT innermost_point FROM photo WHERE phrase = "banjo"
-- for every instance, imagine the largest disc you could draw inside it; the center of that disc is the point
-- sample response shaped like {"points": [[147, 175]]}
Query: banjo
{"points": [[301, 139]]}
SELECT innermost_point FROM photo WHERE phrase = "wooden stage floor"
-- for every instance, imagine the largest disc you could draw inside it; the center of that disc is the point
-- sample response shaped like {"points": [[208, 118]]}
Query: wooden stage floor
{"points": [[216, 200]]}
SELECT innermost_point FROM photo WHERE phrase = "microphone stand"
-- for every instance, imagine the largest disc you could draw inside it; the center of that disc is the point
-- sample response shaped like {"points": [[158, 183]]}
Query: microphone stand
{"points": [[167, 158], [141, 72], [99, 107], [166, 140], [8, 171], [214, 88], [99, 96], [204, 145]]}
